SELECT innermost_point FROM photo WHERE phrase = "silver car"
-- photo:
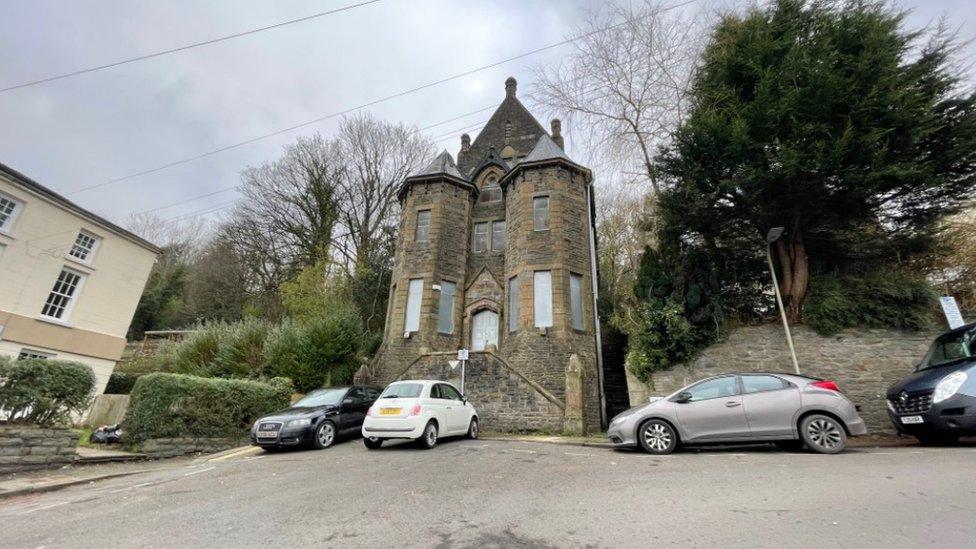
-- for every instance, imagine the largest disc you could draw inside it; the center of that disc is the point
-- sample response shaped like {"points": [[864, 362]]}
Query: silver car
{"points": [[789, 410]]}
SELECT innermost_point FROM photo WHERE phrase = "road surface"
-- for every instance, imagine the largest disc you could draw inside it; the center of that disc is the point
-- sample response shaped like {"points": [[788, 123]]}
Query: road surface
{"points": [[518, 494]]}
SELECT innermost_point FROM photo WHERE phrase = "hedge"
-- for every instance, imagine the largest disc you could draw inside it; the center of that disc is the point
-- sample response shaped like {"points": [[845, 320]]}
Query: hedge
{"points": [[44, 392], [166, 405], [121, 383]]}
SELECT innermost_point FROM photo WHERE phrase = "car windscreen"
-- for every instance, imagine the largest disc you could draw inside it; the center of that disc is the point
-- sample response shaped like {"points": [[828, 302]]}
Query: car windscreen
{"points": [[322, 397], [949, 348], [403, 390]]}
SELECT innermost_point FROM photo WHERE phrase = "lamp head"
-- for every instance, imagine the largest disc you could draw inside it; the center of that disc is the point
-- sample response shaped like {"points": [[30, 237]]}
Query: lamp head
{"points": [[774, 234]]}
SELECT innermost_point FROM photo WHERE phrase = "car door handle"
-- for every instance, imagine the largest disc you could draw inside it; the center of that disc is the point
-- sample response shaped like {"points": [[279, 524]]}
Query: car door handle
{"points": [[733, 404]]}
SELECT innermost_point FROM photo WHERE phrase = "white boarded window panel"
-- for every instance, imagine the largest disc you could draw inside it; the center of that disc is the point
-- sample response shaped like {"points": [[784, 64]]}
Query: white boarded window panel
{"points": [[445, 310], [540, 213], [543, 299], [576, 300], [61, 296], [512, 304], [498, 236], [414, 293], [480, 237], [423, 226]]}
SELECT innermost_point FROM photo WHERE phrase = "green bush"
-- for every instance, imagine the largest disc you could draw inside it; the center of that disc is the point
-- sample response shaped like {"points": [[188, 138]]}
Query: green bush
{"points": [[332, 343], [44, 392], [661, 336], [174, 405], [196, 354], [282, 353], [240, 351], [889, 299], [121, 383]]}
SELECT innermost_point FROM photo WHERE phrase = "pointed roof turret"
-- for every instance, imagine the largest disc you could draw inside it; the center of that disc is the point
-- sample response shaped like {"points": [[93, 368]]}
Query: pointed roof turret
{"points": [[441, 168], [546, 149]]}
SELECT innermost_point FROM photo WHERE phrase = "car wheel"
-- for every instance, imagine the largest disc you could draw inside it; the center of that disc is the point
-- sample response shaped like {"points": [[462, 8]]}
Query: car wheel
{"points": [[823, 434], [935, 439], [789, 445], [324, 435], [373, 443], [657, 437], [429, 439], [473, 429]]}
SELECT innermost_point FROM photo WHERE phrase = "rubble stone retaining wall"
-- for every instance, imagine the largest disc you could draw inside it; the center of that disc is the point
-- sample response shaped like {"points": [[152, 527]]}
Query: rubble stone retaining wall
{"points": [[863, 362], [26, 448], [170, 447]]}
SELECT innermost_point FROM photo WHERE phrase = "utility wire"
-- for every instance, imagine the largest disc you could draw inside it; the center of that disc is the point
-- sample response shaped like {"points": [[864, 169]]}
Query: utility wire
{"points": [[356, 108], [186, 47]]}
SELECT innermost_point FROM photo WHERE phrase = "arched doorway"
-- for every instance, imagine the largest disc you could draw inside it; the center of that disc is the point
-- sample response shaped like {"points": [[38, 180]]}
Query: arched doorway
{"points": [[484, 330]]}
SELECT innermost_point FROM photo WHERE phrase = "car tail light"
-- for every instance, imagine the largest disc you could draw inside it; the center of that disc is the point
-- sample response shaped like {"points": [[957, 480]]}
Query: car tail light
{"points": [[371, 411], [415, 411], [826, 384]]}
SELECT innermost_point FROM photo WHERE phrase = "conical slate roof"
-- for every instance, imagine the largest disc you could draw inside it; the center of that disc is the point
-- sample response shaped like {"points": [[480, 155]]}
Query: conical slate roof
{"points": [[443, 164], [546, 149]]}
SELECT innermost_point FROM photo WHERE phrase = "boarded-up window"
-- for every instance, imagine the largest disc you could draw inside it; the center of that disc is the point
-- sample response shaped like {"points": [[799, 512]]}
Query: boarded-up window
{"points": [[498, 236], [540, 213], [445, 310], [423, 227], [543, 299], [576, 300], [414, 293], [512, 304], [480, 243]]}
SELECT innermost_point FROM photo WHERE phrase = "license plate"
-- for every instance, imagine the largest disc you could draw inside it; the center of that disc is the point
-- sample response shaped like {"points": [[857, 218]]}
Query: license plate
{"points": [[267, 434], [390, 411], [912, 419]]}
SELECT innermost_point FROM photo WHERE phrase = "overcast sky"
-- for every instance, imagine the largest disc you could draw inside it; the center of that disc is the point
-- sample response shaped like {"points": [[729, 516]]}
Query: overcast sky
{"points": [[95, 127]]}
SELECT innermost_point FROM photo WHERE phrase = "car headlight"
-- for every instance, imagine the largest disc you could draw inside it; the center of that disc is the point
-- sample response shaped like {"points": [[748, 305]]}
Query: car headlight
{"points": [[620, 419], [891, 406], [300, 422], [947, 386]]}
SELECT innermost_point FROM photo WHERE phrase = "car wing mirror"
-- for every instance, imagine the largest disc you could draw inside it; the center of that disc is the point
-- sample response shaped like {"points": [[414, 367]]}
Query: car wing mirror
{"points": [[683, 397], [347, 400]]}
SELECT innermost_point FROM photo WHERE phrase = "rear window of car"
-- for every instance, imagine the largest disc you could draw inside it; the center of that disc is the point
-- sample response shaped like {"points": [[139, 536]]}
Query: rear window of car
{"points": [[403, 390], [758, 384]]}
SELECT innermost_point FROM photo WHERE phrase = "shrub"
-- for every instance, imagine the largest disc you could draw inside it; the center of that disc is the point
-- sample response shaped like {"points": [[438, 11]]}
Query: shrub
{"points": [[282, 353], [196, 354], [662, 336], [44, 392], [121, 383], [331, 343], [174, 405], [889, 299], [240, 351]]}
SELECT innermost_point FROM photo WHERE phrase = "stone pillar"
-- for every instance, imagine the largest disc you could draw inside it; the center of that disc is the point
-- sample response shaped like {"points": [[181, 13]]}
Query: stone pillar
{"points": [[362, 376], [573, 423]]}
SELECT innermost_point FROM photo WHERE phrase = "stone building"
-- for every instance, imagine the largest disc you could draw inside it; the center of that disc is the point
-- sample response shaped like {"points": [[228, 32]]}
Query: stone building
{"points": [[496, 253]]}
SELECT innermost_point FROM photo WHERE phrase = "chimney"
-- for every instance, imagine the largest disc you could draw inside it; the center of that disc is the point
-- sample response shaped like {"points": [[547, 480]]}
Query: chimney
{"points": [[557, 136], [465, 143], [510, 85]]}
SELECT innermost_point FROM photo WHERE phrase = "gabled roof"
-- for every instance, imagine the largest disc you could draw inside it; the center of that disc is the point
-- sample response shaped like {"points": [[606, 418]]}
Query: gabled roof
{"points": [[491, 160], [441, 168], [30, 185], [522, 134]]}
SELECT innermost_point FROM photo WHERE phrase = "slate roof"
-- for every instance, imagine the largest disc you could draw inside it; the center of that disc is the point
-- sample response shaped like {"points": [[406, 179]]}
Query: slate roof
{"points": [[546, 149], [525, 131], [442, 164]]}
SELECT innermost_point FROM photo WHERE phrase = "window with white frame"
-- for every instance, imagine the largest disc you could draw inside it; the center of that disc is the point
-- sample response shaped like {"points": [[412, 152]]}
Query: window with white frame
{"points": [[445, 309], [9, 209], [512, 304], [480, 243], [423, 227], [543, 299], [540, 213], [31, 354], [576, 300], [498, 236], [62, 297], [84, 247], [414, 294]]}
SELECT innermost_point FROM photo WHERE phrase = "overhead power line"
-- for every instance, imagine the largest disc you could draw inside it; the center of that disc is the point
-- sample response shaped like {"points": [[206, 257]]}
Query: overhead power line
{"points": [[356, 108], [185, 47]]}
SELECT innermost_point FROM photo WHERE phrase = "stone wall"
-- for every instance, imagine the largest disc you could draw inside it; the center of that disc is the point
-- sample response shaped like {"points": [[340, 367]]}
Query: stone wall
{"points": [[863, 362], [171, 447], [106, 410], [505, 401], [26, 448]]}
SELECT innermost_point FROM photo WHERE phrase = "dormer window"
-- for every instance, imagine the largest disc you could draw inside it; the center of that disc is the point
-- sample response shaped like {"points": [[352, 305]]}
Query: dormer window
{"points": [[491, 191]]}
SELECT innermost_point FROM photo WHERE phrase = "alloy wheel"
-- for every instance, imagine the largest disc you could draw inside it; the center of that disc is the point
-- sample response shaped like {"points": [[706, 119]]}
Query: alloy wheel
{"points": [[657, 437], [431, 436], [824, 433], [326, 435]]}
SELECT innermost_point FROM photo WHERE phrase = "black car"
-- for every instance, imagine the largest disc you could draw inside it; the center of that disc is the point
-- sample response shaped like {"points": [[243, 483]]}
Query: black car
{"points": [[316, 420], [937, 403]]}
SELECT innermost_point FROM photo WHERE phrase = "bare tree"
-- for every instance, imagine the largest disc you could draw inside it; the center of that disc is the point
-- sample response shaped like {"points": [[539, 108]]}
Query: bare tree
{"points": [[188, 233], [626, 89], [289, 206], [377, 156]]}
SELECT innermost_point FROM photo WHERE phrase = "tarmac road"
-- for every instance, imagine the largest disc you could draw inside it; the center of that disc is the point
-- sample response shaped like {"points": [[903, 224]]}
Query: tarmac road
{"points": [[518, 494]]}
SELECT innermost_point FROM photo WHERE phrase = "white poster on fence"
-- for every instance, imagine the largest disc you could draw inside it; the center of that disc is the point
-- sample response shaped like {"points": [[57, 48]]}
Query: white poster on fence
{"points": [[951, 310]]}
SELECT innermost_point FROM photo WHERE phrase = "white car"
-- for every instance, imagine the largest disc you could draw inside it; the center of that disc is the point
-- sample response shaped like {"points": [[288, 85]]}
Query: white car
{"points": [[422, 410]]}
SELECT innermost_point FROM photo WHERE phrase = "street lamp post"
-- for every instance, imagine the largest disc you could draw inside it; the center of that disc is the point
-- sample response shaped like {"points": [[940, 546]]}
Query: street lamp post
{"points": [[772, 236]]}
